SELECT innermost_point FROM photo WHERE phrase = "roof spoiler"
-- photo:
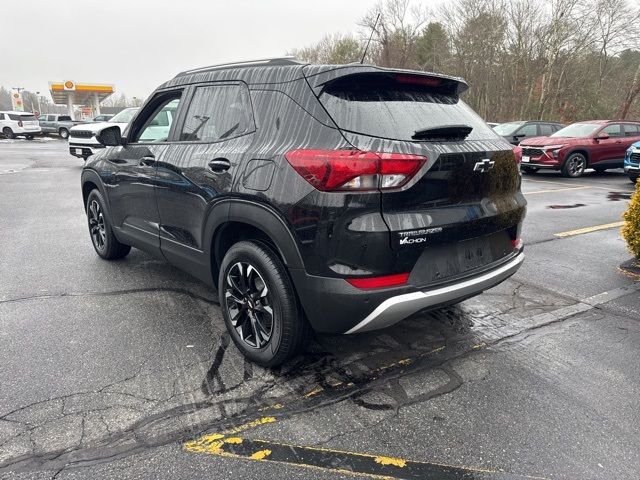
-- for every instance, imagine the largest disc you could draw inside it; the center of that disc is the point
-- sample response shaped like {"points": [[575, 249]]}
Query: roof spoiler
{"points": [[319, 76]]}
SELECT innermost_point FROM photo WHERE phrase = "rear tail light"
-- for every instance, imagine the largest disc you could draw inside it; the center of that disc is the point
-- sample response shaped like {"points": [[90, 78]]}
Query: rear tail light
{"points": [[517, 151], [517, 243], [380, 282], [349, 170], [20, 123]]}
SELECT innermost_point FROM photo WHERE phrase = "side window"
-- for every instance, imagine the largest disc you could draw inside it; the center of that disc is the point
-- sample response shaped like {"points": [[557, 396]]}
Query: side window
{"points": [[218, 112], [51, 118], [156, 126], [529, 130], [1, 116], [546, 129], [631, 130], [613, 130]]}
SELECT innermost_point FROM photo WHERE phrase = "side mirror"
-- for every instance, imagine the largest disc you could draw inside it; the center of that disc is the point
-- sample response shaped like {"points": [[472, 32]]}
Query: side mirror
{"points": [[110, 137], [602, 136]]}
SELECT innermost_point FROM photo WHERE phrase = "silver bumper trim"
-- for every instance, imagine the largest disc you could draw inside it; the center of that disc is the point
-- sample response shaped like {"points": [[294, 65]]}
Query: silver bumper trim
{"points": [[400, 307]]}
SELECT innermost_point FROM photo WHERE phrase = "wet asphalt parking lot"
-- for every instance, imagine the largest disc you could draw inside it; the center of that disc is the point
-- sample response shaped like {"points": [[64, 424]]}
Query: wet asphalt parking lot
{"points": [[123, 370]]}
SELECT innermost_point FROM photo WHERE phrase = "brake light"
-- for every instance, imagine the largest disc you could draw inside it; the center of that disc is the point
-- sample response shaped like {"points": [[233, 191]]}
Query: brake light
{"points": [[517, 151], [517, 243], [380, 282], [418, 80], [20, 123], [330, 170]]}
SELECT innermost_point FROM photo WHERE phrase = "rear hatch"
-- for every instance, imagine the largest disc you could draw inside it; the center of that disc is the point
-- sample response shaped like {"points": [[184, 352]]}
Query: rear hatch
{"points": [[464, 203], [29, 121]]}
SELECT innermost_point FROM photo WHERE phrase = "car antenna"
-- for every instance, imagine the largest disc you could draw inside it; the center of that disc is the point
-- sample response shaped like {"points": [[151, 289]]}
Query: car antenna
{"points": [[373, 29]]}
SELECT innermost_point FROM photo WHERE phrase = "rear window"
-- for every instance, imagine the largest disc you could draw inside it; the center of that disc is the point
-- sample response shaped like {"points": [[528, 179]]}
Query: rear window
{"points": [[394, 107], [64, 118], [24, 118]]}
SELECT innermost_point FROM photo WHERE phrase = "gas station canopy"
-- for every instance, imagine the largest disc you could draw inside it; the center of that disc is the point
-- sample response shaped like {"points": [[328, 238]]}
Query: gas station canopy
{"points": [[70, 93]]}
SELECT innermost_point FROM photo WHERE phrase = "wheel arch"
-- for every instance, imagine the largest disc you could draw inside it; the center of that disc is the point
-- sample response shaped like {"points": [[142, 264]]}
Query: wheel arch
{"points": [[582, 150], [244, 220]]}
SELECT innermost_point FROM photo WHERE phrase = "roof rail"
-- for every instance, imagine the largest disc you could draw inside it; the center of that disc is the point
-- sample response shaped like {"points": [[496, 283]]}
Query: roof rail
{"points": [[249, 63]]}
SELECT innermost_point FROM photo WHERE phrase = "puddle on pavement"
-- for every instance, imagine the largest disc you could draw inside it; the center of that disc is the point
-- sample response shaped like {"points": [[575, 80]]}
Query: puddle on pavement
{"points": [[617, 196], [558, 207]]}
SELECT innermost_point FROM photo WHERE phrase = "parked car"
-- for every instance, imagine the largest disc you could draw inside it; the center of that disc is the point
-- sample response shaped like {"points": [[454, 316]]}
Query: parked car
{"points": [[19, 124], [632, 162], [101, 118], [82, 138], [516, 132], [339, 198], [597, 144], [57, 124]]}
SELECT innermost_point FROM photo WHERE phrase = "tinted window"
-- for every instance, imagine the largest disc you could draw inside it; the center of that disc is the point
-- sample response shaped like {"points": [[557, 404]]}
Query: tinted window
{"points": [[546, 129], [217, 113], [1, 116], [64, 118], [396, 107], [613, 130], [631, 130], [529, 130]]}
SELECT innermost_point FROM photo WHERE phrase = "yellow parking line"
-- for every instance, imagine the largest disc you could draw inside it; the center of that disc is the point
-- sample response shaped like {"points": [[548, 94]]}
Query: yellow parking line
{"points": [[337, 461], [595, 228], [551, 190]]}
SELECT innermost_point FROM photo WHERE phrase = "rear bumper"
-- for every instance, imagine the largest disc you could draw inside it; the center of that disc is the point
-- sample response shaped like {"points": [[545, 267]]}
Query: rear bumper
{"points": [[334, 306], [397, 308]]}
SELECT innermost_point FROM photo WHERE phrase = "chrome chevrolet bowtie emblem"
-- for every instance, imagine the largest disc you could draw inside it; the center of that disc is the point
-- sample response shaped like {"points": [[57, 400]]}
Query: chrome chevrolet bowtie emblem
{"points": [[484, 165]]}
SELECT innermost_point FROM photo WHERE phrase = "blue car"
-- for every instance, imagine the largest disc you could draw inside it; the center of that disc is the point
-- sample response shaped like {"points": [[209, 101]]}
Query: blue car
{"points": [[632, 162]]}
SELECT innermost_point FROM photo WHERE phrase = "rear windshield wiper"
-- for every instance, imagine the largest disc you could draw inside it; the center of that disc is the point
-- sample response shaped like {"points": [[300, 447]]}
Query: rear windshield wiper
{"points": [[448, 133]]}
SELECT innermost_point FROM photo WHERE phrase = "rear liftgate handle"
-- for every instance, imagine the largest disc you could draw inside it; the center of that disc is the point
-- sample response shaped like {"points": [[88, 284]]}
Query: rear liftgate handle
{"points": [[219, 165]]}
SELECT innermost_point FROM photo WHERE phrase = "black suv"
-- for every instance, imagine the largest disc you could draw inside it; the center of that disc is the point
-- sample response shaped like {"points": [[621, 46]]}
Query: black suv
{"points": [[312, 197]]}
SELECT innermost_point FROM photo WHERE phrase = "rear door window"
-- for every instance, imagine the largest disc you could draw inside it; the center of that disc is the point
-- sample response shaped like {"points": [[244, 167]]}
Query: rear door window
{"points": [[546, 129], [216, 113], [396, 106], [529, 130], [631, 130]]}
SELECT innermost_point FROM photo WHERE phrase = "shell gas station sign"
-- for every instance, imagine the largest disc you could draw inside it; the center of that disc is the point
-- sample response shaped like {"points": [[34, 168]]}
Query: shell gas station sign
{"points": [[16, 101]]}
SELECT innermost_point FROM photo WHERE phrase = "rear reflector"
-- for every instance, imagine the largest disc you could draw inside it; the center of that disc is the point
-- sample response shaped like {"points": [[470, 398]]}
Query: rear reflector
{"points": [[331, 170], [380, 282]]}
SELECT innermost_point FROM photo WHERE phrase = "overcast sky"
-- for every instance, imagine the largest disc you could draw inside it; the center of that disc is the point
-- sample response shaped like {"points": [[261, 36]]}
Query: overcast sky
{"points": [[138, 44]]}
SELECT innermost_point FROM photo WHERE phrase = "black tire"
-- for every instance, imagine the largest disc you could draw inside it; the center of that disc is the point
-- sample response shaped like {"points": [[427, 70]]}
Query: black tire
{"points": [[8, 133], [529, 170], [64, 133], [575, 165], [252, 282], [29, 137], [104, 241]]}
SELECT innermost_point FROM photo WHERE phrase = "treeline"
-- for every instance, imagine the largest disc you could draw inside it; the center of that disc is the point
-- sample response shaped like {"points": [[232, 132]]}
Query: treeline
{"points": [[563, 60]]}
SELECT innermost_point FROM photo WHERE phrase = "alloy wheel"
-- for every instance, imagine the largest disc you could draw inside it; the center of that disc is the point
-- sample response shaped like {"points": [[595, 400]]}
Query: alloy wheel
{"points": [[576, 165], [96, 225], [249, 304]]}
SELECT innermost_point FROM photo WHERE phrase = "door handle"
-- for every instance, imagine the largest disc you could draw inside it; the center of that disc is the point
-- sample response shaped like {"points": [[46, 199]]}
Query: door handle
{"points": [[218, 165], [147, 161]]}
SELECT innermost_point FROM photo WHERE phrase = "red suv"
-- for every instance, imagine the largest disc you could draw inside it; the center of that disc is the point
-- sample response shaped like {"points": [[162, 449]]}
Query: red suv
{"points": [[597, 144]]}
